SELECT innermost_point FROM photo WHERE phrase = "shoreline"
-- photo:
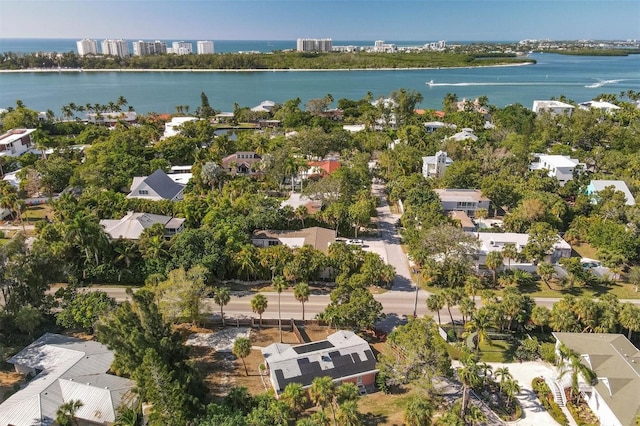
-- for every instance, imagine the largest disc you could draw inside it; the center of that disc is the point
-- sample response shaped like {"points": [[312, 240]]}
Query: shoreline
{"points": [[125, 70]]}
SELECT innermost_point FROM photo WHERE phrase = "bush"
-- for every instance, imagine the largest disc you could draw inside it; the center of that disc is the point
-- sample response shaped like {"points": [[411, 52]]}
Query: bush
{"points": [[547, 352], [528, 350], [544, 395]]}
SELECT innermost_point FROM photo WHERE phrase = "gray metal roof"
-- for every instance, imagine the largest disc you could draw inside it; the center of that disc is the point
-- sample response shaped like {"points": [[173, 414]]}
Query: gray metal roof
{"points": [[63, 364], [160, 183]]}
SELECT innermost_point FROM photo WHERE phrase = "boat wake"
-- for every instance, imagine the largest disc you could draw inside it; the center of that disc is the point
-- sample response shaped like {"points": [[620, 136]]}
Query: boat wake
{"points": [[523, 83], [601, 83]]}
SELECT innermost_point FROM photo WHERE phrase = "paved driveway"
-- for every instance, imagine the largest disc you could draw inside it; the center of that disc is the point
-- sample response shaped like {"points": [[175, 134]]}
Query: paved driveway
{"points": [[534, 413]]}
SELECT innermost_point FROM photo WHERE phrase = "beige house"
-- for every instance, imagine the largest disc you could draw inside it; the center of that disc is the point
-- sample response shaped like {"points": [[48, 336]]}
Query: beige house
{"points": [[465, 200], [615, 396], [132, 225], [316, 237]]}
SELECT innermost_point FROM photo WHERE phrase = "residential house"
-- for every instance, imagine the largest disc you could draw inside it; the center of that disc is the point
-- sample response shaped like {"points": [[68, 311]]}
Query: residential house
{"points": [[132, 225], [343, 356], [224, 117], [603, 106], [463, 220], [553, 107], [432, 126], [64, 369], [496, 241], [316, 237], [264, 106], [180, 174], [465, 200], [241, 163], [172, 128], [614, 397], [435, 165], [157, 186], [15, 142], [596, 186], [561, 167], [112, 118], [465, 134], [320, 168], [354, 128]]}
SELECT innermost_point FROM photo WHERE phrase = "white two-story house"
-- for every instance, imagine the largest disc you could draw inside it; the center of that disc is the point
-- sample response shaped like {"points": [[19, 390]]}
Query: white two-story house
{"points": [[561, 167]]}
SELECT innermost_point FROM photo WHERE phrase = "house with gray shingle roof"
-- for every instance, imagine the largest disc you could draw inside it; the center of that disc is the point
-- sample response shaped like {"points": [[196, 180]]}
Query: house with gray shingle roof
{"points": [[344, 356], [615, 396], [157, 186], [64, 369], [133, 225]]}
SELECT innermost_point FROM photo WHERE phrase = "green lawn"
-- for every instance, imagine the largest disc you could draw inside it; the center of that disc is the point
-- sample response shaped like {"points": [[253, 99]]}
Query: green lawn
{"points": [[37, 213], [498, 351]]}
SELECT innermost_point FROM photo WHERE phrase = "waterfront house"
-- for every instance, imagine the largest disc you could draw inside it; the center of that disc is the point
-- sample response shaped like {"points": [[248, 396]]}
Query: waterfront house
{"points": [[434, 166], [132, 225], [172, 128], [603, 106], [596, 186], [111, 118], [157, 186], [15, 142], [561, 167], [552, 107], [344, 356], [614, 396], [64, 369]]}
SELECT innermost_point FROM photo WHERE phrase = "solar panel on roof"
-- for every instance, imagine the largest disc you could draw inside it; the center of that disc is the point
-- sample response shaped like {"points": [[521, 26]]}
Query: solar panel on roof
{"points": [[312, 347]]}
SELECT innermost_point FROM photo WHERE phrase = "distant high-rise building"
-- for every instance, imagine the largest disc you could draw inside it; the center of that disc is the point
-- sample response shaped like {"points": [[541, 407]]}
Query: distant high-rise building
{"points": [[143, 48], [87, 47], [205, 47], [314, 45], [115, 47], [181, 48]]}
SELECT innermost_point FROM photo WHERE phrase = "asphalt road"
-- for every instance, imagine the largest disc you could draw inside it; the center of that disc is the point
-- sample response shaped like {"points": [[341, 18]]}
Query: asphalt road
{"points": [[399, 302]]}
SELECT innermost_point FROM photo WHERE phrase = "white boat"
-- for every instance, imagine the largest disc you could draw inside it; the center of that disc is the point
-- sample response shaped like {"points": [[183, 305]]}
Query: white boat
{"points": [[430, 83]]}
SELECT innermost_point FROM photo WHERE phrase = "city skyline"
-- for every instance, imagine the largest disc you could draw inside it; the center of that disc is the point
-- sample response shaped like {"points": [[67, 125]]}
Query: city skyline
{"points": [[493, 20]]}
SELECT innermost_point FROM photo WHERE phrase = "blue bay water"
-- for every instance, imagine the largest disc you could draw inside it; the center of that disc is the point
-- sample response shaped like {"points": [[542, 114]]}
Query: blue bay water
{"points": [[578, 78]]}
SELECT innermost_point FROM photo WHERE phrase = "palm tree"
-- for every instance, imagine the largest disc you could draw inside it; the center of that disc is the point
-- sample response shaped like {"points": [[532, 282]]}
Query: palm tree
{"points": [[540, 316], [469, 376], [481, 323], [321, 392], [471, 286], [467, 308], [301, 292], [259, 304], [301, 213], [279, 285], [222, 296], [493, 261], [510, 251], [418, 412], [295, 396], [244, 259], [435, 302], [65, 416], [510, 388], [546, 271], [348, 414], [504, 374], [576, 369], [242, 349], [629, 318], [128, 416], [452, 297]]}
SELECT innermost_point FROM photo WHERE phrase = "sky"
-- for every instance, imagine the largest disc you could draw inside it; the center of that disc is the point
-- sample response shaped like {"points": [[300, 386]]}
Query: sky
{"points": [[391, 20]]}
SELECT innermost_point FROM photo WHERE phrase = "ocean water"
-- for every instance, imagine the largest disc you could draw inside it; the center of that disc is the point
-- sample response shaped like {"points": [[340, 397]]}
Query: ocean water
{"points": [[578, 78]]}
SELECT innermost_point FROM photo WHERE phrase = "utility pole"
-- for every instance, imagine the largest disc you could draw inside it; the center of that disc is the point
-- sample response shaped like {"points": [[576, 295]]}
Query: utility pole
{"points": [[415, 303]]}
